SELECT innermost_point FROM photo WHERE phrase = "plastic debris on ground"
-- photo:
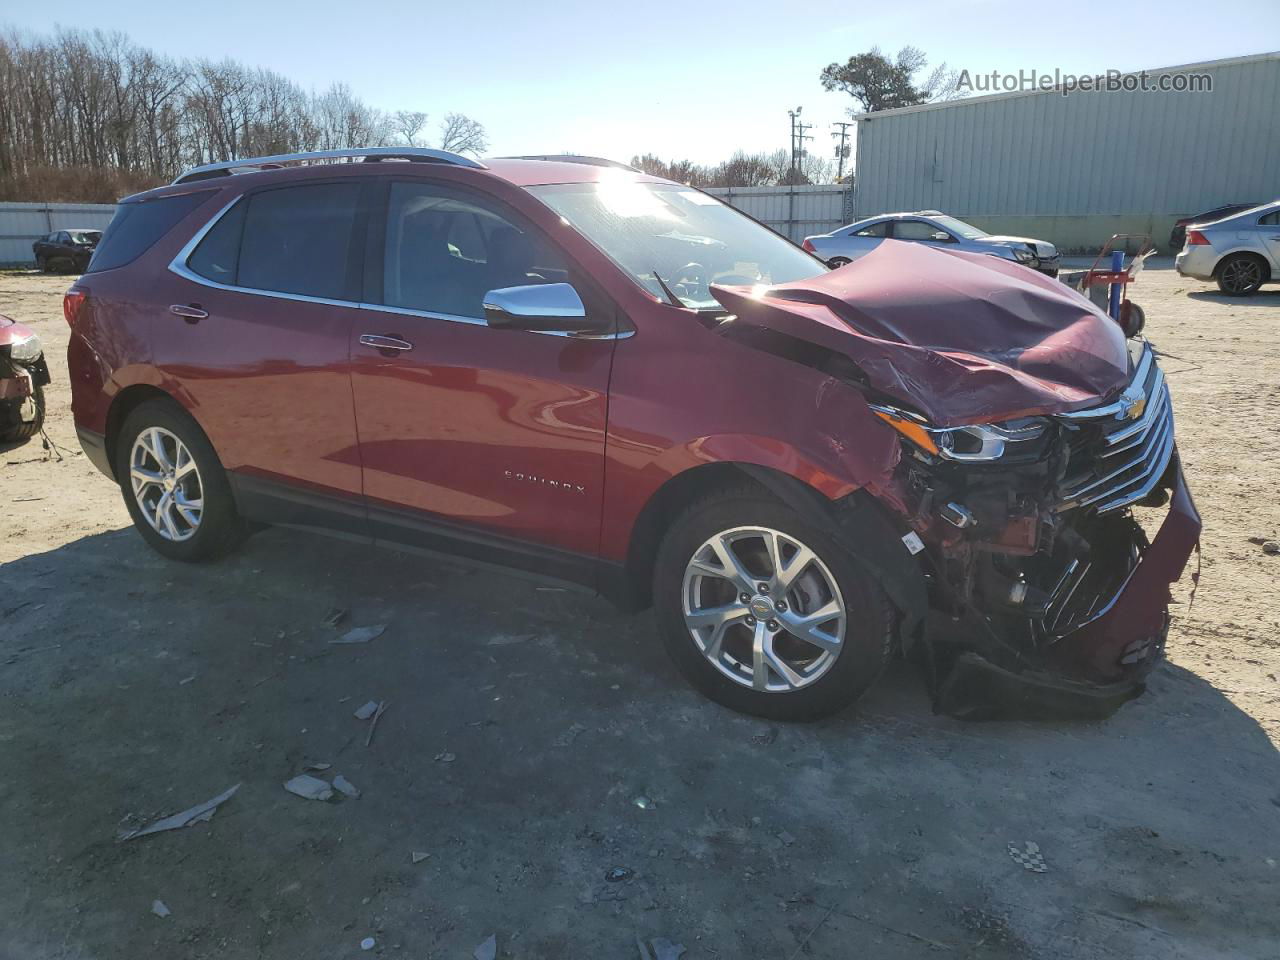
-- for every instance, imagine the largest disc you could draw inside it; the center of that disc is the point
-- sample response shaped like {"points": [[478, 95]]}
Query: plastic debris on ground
{"points": [[418, 856], [487, 949], [660, 948], [643, 802], [334, 617], [361, 634], [309, 787], [159, 909], [1029, 857], [345, 787], [445, 757], [201, 813], [367, 711], [618, 874], [373, 722], [368, 943]]}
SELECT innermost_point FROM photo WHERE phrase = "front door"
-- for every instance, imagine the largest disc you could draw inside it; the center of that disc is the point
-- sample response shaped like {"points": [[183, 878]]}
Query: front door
{"points": [[474, 440]]}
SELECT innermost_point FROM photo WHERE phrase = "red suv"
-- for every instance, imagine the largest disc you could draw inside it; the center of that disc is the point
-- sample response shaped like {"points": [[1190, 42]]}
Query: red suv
{"points": [[565, 367]]}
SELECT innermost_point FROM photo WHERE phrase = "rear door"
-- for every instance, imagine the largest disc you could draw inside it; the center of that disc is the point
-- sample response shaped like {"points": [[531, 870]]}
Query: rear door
{"points": [[256, 342], [476, 440], [1269, 238]]}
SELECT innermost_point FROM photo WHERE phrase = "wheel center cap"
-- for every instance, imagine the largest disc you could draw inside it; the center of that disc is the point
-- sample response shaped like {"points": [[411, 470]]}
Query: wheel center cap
{"points": [[761, 608], [169, 484]]}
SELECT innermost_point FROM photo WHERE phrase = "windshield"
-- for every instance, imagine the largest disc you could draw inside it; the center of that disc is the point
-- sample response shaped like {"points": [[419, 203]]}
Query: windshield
{"points": [[960, 228], [86, 236], [688, 239]]}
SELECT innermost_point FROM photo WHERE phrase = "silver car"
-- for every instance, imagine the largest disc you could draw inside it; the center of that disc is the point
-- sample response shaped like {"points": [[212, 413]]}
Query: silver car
{"points": [[1241, 252], [934, 228]]}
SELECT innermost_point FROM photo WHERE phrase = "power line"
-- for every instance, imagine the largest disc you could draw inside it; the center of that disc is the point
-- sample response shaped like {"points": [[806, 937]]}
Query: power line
{"points": [[842, 151]]}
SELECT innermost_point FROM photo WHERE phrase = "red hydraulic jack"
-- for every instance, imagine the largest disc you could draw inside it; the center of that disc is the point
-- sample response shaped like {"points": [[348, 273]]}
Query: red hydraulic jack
{"points": [[1108, 287]]}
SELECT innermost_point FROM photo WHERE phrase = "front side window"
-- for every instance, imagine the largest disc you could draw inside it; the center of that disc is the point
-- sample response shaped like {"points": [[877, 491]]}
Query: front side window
{"points": [[445, 249], [916, 230], [664, 234], [961, 229]]}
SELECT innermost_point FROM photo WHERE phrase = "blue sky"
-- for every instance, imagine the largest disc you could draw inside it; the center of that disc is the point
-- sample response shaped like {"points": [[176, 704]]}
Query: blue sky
{"points": [[693, 80]]}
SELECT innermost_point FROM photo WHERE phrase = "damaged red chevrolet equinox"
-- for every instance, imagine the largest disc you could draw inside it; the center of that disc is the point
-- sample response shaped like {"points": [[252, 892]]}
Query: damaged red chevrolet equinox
{"points": [[568, 368]]}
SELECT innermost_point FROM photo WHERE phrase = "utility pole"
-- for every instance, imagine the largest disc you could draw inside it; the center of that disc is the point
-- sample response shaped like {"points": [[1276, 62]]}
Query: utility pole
{"points": [[842, 151], [797, 133]]}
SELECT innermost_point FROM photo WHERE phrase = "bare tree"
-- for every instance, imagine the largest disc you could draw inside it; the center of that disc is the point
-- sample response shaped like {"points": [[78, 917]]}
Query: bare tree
{"points": [[91, 116], [460, 134], [408, 124]]}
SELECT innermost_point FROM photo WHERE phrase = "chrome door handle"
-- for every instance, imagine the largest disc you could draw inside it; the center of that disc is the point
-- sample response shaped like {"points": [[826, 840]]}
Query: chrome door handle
{"points": [[384, 342], [188, 311]]}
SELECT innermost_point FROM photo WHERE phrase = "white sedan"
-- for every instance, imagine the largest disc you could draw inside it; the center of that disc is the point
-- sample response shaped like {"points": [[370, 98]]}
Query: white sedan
{"points": [[934, 229], [1241, 252]]}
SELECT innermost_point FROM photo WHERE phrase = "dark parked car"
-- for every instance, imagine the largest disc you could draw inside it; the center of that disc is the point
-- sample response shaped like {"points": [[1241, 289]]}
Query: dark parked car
{"points": [[23, 377], [66, 250], [589, 374], [1178, 235]]}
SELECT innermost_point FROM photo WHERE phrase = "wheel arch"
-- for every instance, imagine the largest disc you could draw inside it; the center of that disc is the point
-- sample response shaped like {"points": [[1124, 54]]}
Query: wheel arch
{"points": [[123, 404], [856, 509], [1247, 252]]}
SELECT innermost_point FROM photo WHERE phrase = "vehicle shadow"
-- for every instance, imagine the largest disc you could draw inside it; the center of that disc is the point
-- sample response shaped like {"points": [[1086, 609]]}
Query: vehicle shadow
{"points": [[1266, 297], [536, 740]]}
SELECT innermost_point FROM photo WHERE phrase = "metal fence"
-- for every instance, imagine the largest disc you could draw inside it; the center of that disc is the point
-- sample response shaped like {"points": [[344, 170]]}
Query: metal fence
{"points": [[22, 223], [796, 212]]}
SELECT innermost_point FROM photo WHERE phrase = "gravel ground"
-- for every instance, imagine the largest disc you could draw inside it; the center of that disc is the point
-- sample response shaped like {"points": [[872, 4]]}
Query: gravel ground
{"points": [[536, 740]]}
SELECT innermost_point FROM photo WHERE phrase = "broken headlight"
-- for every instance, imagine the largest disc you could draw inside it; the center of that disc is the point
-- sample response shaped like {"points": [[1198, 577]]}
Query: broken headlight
{"points": [[26, 351], [977, 442]]}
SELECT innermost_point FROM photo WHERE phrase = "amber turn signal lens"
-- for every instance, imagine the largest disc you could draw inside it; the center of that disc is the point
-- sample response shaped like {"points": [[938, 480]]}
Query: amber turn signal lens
{"points": [[909, 429]]}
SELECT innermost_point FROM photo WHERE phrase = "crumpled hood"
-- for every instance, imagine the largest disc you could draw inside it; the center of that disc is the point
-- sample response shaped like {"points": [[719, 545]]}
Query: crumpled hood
{"points": [[959, 337]]}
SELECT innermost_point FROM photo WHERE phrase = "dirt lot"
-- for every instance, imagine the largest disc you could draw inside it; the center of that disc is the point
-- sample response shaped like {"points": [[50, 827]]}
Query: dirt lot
{"points": [[523, 725]]}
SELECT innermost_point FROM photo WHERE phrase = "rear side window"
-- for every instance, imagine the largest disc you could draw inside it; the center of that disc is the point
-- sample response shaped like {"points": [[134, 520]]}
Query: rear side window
{"points": [[880, 229], [299, 240], [136, 226]]}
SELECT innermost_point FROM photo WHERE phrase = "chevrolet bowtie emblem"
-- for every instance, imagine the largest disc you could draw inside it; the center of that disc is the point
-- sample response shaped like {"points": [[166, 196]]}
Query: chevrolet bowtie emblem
{"points": [[1132, 404]]}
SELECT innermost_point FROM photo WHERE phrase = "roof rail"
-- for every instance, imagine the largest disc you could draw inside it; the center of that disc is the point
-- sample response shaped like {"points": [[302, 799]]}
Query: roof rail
{"points": [[364, 154], [577, 158]]}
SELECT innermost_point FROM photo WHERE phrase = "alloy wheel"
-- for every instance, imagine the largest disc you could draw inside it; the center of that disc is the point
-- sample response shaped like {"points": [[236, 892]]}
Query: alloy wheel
{"points": [[1241, 275], [166, 484], [764, 609]]}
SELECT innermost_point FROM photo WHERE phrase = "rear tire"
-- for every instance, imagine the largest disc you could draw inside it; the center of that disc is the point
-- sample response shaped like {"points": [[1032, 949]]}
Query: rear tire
{"points": [[1241, 275], [836, 262], [28, 428], [182, 504], [801, 680]]}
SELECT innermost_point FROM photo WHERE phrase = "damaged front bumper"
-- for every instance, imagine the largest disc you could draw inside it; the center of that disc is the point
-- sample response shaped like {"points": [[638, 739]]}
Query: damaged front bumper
{"points": [[1046, 597], [983, 668]]}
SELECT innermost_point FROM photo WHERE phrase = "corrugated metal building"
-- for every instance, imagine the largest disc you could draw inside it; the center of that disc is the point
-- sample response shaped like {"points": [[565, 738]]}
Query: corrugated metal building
{"points": [[1076, 169], [796, 212]]}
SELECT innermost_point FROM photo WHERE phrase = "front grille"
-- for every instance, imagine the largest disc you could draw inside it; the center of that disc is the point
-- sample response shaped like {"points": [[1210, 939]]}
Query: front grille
{"points": [[1117, 458]]}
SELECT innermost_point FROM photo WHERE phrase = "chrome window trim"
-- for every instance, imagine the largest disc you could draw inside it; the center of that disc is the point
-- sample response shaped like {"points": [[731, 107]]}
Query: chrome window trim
{"points": [[178, 266]]}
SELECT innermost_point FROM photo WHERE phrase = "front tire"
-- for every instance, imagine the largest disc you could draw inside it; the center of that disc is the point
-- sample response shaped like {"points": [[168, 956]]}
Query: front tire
{"points": [[766, 614], [25, 429], [1241, 275], [174, 485], [837, 262]]}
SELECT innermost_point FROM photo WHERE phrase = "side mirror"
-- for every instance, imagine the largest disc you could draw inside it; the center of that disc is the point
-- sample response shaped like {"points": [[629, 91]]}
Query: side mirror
{"points": [[546, 307], [941, 236]]}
